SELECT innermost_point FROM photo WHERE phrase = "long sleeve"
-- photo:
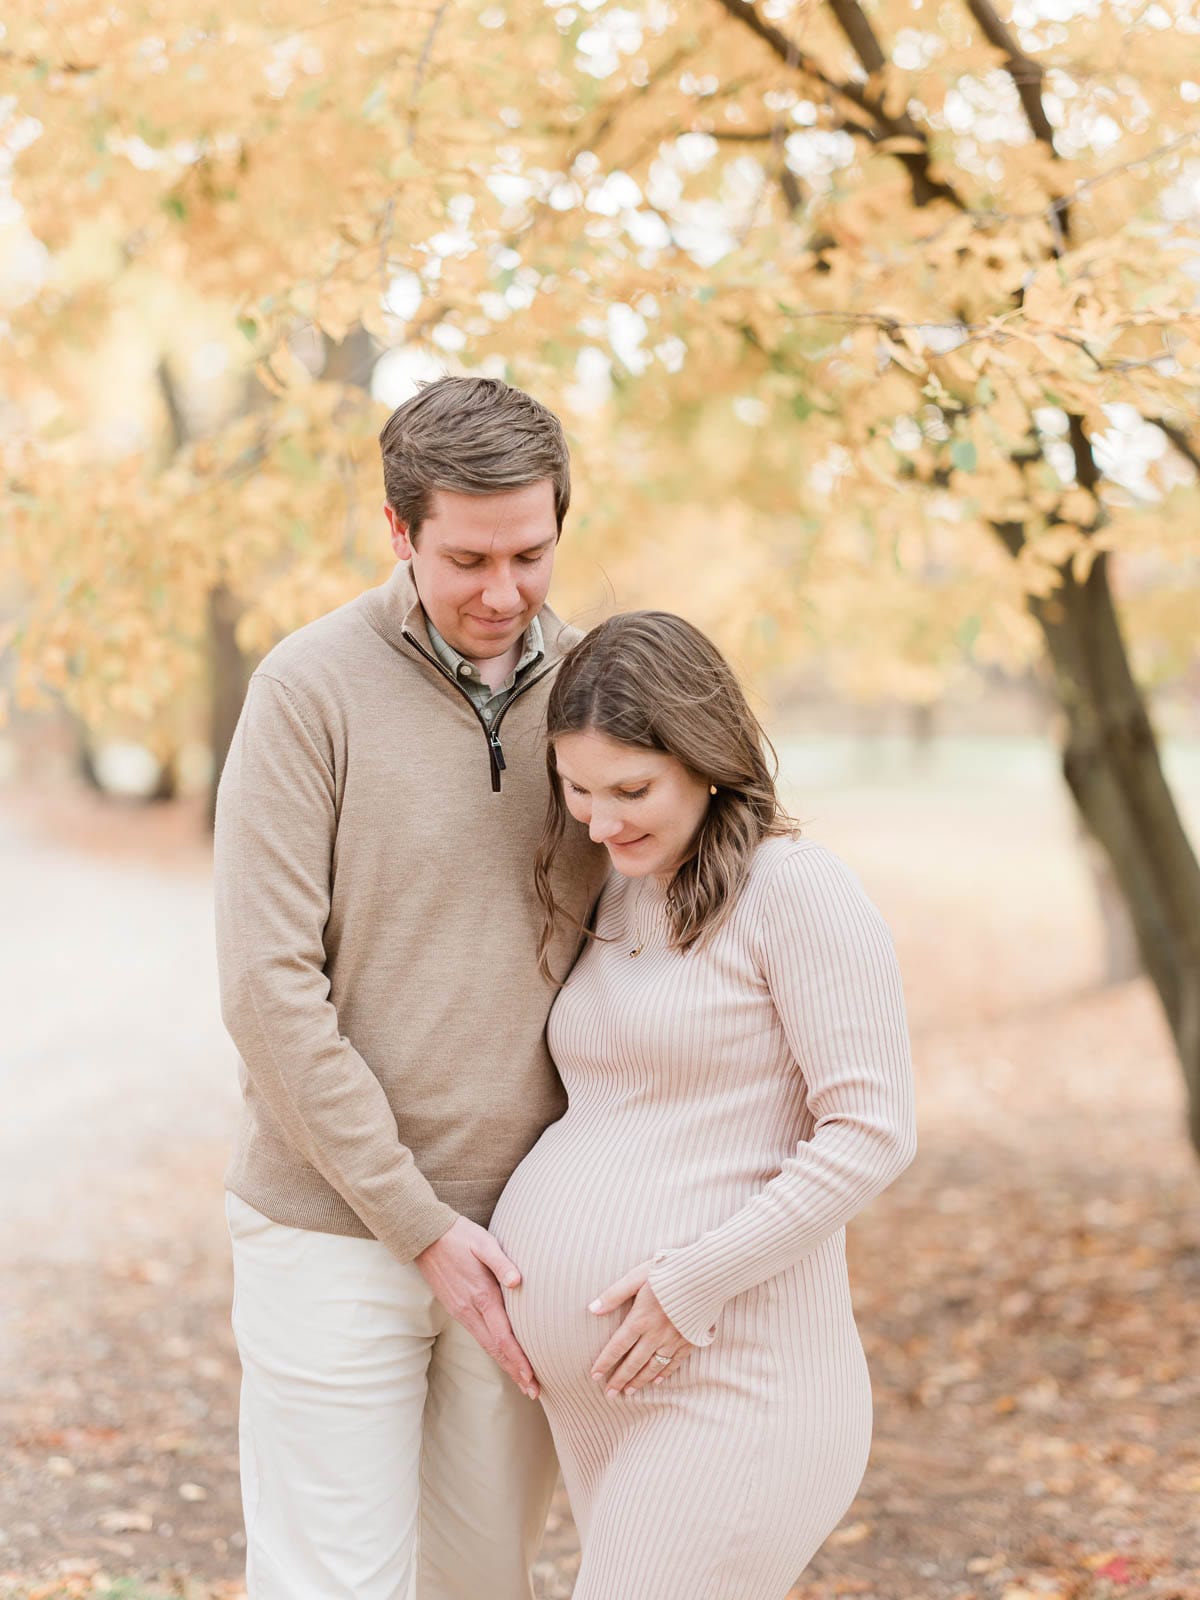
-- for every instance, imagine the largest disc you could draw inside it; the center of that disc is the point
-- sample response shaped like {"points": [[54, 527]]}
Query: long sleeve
{"points": [[275, 828], [828, 960]]}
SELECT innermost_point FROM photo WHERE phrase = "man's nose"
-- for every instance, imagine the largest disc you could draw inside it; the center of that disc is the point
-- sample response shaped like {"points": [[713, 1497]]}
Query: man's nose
{"points": [[501, 594]]}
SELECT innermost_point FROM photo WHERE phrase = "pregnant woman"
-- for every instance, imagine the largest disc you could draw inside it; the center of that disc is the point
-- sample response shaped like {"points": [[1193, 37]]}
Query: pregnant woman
{"points": [[733, 1046]]}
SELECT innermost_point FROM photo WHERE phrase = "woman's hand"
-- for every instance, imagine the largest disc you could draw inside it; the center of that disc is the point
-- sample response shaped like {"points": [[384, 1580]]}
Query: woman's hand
{"points": [[628, 1361]]}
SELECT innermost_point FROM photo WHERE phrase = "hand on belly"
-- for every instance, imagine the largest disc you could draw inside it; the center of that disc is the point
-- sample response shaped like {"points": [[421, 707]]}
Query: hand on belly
{"points": [[646, 1347]]}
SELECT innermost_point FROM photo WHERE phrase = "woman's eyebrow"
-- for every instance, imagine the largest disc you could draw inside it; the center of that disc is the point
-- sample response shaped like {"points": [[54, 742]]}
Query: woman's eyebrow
{"points": [[625, 783]]}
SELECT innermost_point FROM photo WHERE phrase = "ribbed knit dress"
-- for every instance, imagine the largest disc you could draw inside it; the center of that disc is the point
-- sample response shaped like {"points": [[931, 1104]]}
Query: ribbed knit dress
{"points": [[729, 1110]]}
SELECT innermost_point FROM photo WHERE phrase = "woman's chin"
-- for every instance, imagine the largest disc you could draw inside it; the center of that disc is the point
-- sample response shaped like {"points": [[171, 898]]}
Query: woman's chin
{"points": [[634, 860]]}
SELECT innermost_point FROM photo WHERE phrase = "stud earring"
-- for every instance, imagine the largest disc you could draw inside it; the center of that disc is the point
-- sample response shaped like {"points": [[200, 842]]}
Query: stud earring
{"points": [[712, 788]]}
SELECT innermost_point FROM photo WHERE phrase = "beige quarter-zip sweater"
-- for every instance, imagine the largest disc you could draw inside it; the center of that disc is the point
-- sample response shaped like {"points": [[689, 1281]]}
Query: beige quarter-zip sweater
{"points": [[377, 928]]}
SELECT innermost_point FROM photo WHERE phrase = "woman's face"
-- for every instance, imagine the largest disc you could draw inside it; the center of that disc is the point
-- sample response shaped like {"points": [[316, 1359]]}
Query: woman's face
{"points": [[643, 805]]}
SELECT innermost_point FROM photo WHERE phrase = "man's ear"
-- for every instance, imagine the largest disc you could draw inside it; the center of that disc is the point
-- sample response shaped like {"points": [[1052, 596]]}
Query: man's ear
{"points": [[401, 542]]}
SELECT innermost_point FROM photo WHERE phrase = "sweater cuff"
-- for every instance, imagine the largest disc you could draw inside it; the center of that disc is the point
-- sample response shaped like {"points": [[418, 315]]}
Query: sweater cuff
{"points": [[693, 1312], [423, 1225]]}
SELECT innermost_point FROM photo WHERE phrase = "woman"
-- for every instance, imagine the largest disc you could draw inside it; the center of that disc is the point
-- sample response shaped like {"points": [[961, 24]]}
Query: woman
{"points": [[733, 1045]]}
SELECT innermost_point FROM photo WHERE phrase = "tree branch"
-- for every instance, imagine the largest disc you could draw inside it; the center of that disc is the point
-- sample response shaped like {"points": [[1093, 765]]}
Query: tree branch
{"points": [[925, 188], [75, 68], [1181, 441], [864, 41], [419, 73], [1025, 72], [1027, 77], [852, 20], [668, 65]]}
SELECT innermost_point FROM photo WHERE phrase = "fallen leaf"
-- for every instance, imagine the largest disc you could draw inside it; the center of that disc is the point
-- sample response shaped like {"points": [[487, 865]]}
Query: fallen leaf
{"points": [[126, 1521]]}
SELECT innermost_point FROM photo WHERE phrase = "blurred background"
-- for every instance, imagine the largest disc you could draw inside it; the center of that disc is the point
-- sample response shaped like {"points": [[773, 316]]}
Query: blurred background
{"points": [[874, 328]]}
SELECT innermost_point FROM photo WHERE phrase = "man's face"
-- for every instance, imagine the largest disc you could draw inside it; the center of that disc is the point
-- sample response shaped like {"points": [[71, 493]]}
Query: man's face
{"points": [[482, 564]]}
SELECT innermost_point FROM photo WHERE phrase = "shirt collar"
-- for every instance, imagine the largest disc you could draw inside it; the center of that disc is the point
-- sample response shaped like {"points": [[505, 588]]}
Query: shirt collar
{"points": [[534, 649]]}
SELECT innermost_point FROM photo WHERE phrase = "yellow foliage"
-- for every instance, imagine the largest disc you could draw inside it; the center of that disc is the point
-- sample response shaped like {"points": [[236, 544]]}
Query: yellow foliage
{"points": [[822, 323]]}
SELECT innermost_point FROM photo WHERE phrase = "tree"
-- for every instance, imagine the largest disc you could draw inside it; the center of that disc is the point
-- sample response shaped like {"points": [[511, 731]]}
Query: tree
{"points": [[892, 295]]}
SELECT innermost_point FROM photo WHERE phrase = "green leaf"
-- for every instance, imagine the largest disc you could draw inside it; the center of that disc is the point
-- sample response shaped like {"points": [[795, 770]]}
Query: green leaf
{"points": [[962, 454], [174, 206]]}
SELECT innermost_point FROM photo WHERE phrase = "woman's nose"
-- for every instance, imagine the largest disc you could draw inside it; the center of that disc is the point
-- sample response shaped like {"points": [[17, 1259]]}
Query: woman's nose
{"points": [[602, 827]]}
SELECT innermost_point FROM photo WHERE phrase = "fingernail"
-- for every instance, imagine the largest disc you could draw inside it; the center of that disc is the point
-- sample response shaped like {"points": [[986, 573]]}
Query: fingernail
{"points": [[512, 1280], [596, 1376], [595, 1306], [532, 1392], [611, 1394]]}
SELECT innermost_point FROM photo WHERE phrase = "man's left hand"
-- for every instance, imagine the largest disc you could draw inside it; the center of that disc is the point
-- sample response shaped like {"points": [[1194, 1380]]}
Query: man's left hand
{"points": [[627, 1361]]}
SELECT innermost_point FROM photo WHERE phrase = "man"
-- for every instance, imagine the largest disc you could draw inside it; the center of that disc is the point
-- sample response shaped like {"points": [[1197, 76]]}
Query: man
{"points": [[377, 932]]}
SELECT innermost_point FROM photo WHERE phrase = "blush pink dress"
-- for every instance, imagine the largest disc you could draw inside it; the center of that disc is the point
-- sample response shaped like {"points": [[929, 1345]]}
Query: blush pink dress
{"points": [[729, 1110]]}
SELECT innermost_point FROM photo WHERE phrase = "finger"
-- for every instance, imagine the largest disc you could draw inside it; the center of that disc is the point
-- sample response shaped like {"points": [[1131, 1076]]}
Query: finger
{"points": [[616, 1349], [497, 1338], [617, 1293], [655, 1371], [628, 1369], [489, 1252]]}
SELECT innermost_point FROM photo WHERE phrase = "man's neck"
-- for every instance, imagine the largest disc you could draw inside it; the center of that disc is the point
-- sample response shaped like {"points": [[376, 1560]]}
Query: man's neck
{"points": [[495, 669]]}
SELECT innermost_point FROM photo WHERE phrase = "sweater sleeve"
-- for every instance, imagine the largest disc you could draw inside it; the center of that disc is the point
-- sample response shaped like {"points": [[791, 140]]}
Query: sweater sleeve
{"points": [[828, 960], [273, 852]]}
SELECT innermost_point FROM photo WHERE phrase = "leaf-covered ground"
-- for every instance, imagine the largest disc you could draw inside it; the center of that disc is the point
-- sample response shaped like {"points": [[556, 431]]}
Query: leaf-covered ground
{"points": [[1028, 1293]]}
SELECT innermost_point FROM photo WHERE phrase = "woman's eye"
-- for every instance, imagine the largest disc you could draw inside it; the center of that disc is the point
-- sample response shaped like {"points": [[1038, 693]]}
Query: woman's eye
{"points": [[575, 789], [635, 794]]}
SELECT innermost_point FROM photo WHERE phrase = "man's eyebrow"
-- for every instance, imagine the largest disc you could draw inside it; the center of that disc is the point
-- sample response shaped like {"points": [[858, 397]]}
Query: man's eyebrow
{"points": [[480, 555]]}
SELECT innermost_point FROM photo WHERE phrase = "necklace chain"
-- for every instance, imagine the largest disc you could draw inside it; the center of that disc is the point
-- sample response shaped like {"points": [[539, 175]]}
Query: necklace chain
{"points": [[638, 935]]}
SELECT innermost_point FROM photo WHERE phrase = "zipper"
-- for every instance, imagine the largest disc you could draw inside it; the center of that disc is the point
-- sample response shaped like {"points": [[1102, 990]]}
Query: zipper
{"points": [[491, 731]]}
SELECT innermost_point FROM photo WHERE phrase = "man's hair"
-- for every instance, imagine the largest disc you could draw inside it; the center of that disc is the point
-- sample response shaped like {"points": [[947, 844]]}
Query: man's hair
{"points": [[471, 436]]}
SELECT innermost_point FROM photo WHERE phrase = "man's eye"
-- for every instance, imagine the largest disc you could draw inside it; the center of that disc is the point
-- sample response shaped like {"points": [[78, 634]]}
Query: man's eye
{"points": [[464, 566], [532, 561]]}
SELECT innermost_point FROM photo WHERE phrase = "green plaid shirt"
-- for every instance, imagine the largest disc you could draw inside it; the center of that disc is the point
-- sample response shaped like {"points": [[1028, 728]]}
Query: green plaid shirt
{"points": [[488, 702]]}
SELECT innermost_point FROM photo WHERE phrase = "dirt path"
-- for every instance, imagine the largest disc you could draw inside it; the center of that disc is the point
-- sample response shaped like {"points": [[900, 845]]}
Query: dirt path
{"points": [[1026, 1293]]}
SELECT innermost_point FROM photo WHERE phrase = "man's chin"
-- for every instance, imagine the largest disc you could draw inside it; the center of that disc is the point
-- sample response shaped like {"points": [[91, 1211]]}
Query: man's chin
{"points": [[485, 642]]}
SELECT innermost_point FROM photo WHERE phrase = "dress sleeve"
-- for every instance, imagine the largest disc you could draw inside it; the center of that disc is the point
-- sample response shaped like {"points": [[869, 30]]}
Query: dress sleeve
{"points": [[273, 850], [829, 963]]}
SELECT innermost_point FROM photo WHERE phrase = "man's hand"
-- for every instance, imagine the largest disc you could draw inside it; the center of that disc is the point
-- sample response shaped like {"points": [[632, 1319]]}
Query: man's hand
{"points": [[465, 1268]]}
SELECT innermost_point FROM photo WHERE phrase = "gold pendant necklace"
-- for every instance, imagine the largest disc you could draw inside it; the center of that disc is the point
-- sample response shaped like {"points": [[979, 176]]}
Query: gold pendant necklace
{"points": [[642, 938], [637, 933]]}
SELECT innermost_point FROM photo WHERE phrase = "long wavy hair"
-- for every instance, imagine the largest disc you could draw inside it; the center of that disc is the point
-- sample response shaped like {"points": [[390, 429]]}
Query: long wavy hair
{"points": [[652, 681]]}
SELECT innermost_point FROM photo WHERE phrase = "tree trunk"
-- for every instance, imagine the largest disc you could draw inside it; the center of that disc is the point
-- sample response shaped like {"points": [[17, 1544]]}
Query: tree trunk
{"points": [[1113, 768], [1121, 959], [166, 785], [229, 673]]}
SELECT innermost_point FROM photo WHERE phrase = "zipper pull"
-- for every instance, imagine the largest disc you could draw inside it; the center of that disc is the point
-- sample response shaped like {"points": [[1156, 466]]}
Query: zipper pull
{"points": [[498, 762]]}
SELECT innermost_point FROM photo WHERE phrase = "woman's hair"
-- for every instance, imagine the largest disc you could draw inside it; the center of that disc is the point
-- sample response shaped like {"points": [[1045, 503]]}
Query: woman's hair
{"points": [[652, 681]]}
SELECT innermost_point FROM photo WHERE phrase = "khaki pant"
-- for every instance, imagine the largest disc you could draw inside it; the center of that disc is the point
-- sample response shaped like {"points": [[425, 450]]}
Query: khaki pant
{"points": [[384, 1455]]}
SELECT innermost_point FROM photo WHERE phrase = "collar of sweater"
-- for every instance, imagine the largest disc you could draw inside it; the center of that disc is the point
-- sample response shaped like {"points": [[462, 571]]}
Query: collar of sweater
{"points": [[395, 610]]}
